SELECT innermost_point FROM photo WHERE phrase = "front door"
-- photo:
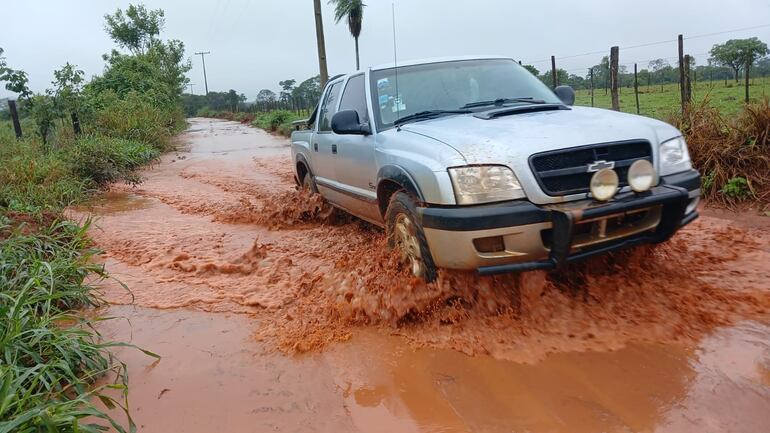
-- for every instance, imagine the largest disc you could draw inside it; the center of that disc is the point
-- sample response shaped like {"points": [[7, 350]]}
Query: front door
{"points": [[323, 144], [355, 167]]}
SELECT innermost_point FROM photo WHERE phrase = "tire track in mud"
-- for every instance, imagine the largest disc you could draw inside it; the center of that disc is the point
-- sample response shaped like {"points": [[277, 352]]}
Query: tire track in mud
{"points": [[230, 233]]}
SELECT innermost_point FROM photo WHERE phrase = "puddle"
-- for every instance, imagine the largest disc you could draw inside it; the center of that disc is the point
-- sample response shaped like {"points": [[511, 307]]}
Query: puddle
{"points": [[112, 202], [214, 377]]}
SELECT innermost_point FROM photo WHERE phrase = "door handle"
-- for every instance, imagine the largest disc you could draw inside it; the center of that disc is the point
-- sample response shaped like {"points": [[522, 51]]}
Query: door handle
{"points": [[334, 149], [315, 147]]}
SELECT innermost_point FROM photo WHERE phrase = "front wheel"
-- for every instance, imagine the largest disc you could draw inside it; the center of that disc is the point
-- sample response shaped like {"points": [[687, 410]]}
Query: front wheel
{"points": [[406, 236], [308, 184]]}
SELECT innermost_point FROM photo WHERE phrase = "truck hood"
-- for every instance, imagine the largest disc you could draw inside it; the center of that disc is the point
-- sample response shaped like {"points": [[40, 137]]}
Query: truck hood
{"points": [[511, 139], [517, 136]]}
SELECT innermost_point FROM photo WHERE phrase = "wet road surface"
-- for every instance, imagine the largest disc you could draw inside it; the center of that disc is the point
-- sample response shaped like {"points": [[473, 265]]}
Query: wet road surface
{"points": [[271, 315]]}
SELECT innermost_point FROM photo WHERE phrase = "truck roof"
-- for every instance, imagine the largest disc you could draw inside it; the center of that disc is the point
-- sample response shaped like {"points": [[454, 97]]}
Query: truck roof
{"points": [[435, 60]]}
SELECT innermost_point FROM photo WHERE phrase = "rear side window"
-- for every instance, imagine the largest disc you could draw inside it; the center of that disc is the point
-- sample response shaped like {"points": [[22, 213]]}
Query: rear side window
{"points": [[327, 110], [354, 98]]}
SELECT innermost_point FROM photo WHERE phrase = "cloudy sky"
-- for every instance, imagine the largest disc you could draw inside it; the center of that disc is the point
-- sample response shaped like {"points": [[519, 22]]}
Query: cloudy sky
{"points": [[256, 43]]}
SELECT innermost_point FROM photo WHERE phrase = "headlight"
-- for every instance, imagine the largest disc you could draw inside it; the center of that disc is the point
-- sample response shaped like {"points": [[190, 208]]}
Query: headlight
{"points": [[485, 184], [604, 184], [641, 175], [674, 157]]}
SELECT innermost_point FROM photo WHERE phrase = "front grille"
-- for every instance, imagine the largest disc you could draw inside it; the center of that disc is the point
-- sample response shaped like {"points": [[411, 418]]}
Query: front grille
{"points": [[563, 172]]}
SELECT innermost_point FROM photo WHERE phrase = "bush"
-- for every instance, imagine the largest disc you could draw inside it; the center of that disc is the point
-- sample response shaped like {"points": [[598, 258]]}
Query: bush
{"points": [[33, 179], [136, 117], [103, 160], [733, 155], [276, 121]]}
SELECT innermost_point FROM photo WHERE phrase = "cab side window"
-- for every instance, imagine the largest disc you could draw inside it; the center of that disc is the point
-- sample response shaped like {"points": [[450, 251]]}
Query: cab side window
{"points": [[354, 98], [328, 108]]}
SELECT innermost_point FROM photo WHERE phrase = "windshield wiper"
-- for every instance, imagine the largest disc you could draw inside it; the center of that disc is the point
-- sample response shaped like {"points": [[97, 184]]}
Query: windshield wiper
{"points": [[429, 114], [500, 102]]}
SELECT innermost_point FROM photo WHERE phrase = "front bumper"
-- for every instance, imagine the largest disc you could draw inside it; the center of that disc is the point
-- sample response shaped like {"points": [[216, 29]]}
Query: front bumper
{"points": [[521, 236]]}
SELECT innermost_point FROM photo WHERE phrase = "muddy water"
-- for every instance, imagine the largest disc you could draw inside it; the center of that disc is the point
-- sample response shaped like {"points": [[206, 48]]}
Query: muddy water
{"points": [[658, 339]]}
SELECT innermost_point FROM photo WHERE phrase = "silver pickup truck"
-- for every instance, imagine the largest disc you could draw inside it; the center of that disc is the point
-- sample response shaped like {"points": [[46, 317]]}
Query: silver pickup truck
{"points": [[473, 163]]}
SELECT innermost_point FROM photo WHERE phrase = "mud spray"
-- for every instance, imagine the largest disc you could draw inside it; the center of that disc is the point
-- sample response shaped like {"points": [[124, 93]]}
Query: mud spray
{"points": [[232, 234]]}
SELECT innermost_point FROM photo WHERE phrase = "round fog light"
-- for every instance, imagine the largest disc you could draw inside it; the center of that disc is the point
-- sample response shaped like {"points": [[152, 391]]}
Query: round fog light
{"points": [[604, 184], [641, 175]]}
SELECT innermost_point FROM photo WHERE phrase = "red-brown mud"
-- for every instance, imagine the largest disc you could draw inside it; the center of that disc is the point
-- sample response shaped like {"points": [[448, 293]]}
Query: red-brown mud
{"points": [[220, 227]]}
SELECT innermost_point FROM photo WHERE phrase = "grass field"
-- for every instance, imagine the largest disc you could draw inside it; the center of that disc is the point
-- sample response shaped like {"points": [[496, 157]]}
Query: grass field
{"points": [[654, 102]]}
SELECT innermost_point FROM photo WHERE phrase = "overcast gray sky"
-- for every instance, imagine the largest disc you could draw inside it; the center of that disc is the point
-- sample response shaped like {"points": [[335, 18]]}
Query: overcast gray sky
{"points": [[256, 43]]}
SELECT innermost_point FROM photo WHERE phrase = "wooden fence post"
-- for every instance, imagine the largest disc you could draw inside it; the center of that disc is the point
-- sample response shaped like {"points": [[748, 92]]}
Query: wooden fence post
{"points": [[591, 73], [748, 66], [682, 95], [614, 78], [553, 72], [75, 123], [687, 88], [15, 118], [636, 88]]}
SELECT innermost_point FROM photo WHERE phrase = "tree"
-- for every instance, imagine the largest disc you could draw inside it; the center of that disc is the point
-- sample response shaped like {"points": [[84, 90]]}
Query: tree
{"points": [[68, 85], [287, 87], [266, 95], [309, 91], [532, 70], [353, 11], [67, 93], [136, 29], [738, 53]]}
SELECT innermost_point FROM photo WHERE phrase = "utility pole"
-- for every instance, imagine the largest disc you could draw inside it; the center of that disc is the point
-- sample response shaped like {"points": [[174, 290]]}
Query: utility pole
{"points": [[554, 75], [319, 34], [203, 59], [191, 87]]}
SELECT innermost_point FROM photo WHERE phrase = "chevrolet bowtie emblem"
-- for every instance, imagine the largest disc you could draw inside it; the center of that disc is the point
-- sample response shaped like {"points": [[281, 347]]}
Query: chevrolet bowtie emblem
{"points": [[600, 165]]}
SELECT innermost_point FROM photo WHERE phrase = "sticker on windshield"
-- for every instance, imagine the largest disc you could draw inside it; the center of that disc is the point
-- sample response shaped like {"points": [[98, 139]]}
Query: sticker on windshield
{"points": [[382, 83], [398, 105]]}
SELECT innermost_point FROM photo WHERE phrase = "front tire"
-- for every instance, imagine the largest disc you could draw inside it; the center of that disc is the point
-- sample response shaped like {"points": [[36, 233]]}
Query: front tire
{"points": [[308, 184], [406, 235]]}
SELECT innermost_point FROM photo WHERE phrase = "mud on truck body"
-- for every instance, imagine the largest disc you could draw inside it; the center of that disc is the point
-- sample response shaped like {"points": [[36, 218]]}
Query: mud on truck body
{"points": [[475, 164]]}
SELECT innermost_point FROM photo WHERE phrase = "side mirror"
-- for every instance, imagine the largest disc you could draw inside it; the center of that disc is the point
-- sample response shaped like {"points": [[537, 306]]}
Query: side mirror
{"points": [[346, 122], [566, 94]]}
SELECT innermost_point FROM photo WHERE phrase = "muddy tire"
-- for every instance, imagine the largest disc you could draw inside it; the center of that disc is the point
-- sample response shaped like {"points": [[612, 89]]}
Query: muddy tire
{"points": [[308, 184], [406, 235]]}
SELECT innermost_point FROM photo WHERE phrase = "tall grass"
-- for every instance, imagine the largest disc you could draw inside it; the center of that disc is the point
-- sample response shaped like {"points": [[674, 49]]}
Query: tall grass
{"points": [[50, 355], [732, 154]]}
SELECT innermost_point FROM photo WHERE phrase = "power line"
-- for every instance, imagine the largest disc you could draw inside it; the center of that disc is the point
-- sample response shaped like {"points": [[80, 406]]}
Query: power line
{"points": [[203, 59]]}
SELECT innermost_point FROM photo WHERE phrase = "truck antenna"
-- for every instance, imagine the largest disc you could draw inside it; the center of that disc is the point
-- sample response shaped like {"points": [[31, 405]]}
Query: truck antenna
{"points": [[397, 100]]}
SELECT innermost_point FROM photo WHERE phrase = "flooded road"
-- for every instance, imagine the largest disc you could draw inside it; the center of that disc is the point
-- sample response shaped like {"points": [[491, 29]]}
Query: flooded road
{"points": [[273, 315]]}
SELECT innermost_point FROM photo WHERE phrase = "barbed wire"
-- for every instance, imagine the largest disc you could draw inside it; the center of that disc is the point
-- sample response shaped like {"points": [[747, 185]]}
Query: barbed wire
{"points": [[647, 44]]}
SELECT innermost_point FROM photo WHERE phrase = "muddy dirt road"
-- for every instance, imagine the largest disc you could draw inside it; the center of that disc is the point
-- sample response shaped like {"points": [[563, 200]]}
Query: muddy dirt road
{"points": [[271, 315]]}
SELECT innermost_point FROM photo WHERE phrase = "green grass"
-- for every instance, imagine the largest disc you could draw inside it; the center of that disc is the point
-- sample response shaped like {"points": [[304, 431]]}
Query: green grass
{"points": [[50, 353], [659, 103], [277, 121], [50, 356]]}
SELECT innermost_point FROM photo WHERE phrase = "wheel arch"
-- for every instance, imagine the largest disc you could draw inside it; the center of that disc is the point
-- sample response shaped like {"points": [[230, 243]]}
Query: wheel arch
{"points": [[302, 168], [392, 178]]}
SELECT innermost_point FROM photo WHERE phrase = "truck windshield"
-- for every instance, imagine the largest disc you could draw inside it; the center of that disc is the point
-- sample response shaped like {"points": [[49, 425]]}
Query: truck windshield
{"points": [[453, 86]]}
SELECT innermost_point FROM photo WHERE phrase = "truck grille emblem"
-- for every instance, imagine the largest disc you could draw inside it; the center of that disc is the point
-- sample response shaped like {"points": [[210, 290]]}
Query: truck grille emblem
{"points": [[599, 165]]}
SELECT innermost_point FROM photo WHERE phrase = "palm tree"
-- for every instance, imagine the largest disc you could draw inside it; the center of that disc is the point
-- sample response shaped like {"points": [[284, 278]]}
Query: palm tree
{"points": [[354, 11]]}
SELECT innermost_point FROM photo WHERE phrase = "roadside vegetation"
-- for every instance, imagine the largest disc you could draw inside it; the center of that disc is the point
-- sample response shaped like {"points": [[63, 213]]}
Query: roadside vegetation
{"points": [[78, 137]]}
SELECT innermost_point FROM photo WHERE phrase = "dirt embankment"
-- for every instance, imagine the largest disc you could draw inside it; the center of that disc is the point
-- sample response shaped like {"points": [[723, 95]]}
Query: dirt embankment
{"points": [[227, 231]]}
